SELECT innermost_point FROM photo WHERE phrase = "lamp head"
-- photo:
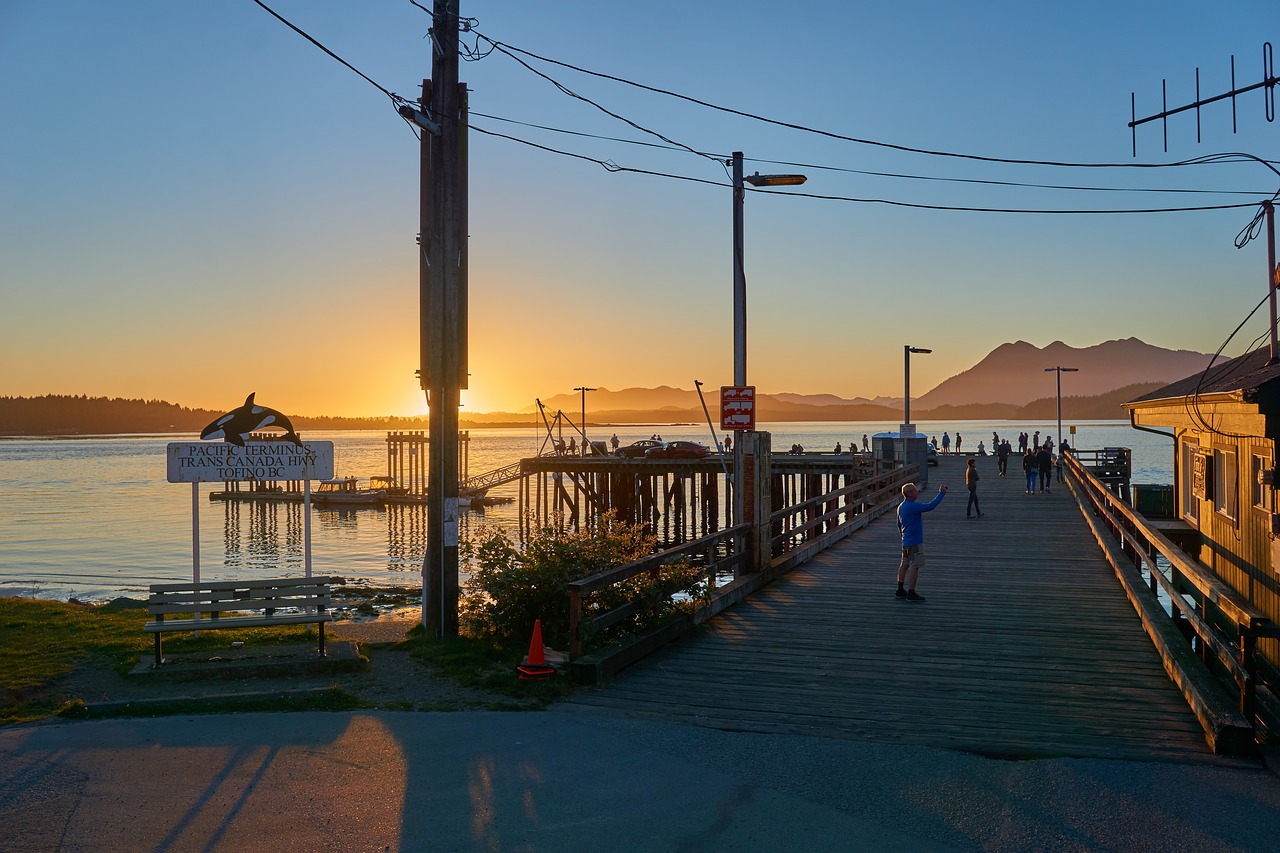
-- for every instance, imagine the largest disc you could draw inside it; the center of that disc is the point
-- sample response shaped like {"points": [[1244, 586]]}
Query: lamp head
{"points": [[759, 180]]}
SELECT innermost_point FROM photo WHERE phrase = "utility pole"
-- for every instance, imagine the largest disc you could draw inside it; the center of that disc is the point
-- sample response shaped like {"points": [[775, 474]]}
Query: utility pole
{"points": [[443, 307]]}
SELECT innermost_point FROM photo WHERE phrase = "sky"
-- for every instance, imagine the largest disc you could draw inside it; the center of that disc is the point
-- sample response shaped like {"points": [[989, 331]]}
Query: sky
{"points": [[196, 202]]}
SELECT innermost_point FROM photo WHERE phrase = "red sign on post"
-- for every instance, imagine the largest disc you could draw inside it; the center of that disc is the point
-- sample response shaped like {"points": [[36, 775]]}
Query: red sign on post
{"points": [[737, 407]]}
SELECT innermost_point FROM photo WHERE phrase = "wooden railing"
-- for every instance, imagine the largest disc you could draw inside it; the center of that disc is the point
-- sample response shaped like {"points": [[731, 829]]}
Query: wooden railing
{"points": [[1194, 591], [801, 531], [719, 554], [810, 526]]}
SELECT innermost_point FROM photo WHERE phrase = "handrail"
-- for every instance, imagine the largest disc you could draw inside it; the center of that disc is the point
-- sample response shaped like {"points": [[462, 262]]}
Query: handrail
{"points": [[1138, 538], [822, 514], [708, 547]]}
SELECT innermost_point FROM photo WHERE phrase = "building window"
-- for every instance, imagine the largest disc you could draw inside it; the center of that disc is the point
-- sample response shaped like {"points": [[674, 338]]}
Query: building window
{"points": [[1260, 494], [1190, 501], [1225, 478]]}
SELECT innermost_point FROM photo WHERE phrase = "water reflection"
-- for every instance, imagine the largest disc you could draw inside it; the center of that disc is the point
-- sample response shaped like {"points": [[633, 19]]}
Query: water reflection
{"points": [[270, 535]]}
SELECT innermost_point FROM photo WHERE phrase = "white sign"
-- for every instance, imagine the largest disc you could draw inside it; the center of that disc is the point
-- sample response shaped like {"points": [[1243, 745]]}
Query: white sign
{"points": [[216, 461], [907, 430], [737, 407]]}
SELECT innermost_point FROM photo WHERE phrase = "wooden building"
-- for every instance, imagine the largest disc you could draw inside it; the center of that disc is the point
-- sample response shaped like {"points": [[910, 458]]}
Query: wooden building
{"points": [[1226, 423]]}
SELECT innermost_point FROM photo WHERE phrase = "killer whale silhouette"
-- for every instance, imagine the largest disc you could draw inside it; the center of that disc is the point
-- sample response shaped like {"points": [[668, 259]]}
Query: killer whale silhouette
{"points": [[236, 425]]}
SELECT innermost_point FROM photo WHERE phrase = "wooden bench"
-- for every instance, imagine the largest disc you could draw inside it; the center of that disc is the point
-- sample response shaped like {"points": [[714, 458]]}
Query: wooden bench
{"points": [[237, 604]]}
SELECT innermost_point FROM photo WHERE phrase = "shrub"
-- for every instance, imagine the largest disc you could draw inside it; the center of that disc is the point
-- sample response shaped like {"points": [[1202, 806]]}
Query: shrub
{"points": [[511, 587]]}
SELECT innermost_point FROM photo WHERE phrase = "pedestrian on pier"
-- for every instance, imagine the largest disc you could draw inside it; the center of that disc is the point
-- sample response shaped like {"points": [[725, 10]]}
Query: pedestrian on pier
{"points": [[1031, 469], [837, 450], [728, 443], [911, 525], [971, 483], [1044, 461], [1002, 457], [613, 442], [958, 440], [866, 446], [946, 442]]}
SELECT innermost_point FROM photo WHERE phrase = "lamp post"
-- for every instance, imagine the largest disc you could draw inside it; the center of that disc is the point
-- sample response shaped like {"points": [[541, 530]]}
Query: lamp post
{"points": [[740, 302], [584, 391], [739, 275], [907, 349], [1060, 371]]}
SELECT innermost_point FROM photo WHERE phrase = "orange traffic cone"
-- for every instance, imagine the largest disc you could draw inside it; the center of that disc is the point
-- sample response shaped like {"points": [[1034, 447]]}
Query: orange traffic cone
{"points": [[535, 666]]}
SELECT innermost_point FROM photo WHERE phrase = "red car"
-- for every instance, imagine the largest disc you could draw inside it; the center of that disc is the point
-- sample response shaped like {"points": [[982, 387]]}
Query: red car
{"points": [[679, 450]]}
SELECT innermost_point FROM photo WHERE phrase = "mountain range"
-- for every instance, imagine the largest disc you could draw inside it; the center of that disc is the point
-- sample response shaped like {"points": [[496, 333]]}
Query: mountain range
{"points": [[1008, 380], [1008, 384]]}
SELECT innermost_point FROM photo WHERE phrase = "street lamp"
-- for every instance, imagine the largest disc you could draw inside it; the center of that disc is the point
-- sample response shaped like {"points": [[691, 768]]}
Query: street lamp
{"points": [[907, 349], [1060, 371], [739, 275], [584, 391]]}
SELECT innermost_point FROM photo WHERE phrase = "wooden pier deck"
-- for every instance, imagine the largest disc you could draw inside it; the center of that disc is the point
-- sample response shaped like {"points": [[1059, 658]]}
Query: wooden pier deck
{"points": [[1026, 645]]}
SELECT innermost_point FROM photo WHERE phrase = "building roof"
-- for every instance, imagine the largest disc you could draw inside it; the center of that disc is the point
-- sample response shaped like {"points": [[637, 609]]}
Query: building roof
{"points": [[1245, 374]]}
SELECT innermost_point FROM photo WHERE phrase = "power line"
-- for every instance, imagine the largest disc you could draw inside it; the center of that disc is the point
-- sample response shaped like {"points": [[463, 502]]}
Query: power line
{"points": [[510, 51], [868, 172], [612, 166]]}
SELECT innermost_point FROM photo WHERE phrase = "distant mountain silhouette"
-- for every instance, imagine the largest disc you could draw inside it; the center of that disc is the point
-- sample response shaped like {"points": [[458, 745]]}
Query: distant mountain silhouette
{"points": [[1014, 373], [1011, 375]]}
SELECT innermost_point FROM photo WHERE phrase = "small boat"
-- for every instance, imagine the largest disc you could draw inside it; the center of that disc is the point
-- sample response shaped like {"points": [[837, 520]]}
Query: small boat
{"points": [[346, 491]]}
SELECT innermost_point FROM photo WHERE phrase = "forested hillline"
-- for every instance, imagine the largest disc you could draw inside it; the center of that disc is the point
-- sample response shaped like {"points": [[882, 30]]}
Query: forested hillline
{"points": [[83, 415]]}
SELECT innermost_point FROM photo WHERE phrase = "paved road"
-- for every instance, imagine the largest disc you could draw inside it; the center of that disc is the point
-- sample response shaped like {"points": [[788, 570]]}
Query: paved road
{"points": [[565, 780]]}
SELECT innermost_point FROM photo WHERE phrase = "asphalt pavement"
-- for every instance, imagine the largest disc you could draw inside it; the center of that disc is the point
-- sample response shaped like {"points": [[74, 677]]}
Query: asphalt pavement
{"points": [[568, 780]]}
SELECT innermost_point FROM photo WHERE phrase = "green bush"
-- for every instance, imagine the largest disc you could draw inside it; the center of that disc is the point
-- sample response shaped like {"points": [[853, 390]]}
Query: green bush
{"points": [[511, 587]]}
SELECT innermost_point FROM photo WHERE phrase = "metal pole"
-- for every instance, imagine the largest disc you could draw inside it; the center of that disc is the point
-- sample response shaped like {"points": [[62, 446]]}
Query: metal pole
{"points": [[739, 280], [1059, 372], [906, 383], [1271, 277]]}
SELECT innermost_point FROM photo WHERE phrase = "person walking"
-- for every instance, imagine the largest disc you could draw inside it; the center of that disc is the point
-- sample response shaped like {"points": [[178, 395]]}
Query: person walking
{"points": [[1030, 468], [866, 446], [1044, 461], [911, 525], [946, 442], [971, 483], [614, 443], [958, 440], [1002, 457]]}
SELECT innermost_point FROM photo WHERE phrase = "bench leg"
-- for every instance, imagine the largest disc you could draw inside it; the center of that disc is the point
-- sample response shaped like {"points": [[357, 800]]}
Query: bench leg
{"points": [[159, 656], [321, 639]]}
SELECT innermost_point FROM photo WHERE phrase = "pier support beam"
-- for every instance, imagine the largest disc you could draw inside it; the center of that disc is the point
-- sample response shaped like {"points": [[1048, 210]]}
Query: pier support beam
{"points": [[756, 488]]}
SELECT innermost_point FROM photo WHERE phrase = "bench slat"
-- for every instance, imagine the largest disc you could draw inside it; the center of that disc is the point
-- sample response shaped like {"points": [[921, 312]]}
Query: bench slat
{"points": [[234, 622], [232, 606], [241, 584], [237, 595]]}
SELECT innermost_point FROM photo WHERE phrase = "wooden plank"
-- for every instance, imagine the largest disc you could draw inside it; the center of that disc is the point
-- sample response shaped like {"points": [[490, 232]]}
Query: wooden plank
{"points": [[1025, 646]]}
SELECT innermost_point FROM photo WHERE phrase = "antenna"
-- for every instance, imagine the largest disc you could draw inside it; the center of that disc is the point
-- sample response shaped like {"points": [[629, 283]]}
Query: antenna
{"points": [[1268, 83]]}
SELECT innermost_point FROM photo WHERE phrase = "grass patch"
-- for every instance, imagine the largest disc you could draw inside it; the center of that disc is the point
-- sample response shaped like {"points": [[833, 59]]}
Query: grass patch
{"points": [[43, 640], [485, 665]]}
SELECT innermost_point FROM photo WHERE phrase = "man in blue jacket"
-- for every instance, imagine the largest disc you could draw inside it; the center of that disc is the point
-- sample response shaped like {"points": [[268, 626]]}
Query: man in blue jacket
{"points": [[911, 524]]}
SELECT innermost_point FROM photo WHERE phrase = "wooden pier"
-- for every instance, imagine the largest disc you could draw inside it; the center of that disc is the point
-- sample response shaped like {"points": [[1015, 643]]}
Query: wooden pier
{"points": [[1026, 645], [679, 499]]}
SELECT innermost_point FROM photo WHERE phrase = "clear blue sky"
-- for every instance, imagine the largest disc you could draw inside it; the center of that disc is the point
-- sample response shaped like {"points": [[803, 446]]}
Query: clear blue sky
{"points": [[195, 202]]}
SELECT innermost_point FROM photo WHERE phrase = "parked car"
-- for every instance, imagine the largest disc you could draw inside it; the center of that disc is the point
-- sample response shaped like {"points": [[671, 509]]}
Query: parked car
{"points": [[640, 449], [930, 455], [679, 450]]}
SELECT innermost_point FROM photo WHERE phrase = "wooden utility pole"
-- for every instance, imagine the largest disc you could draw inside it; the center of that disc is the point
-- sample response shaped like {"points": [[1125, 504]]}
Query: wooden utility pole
{"points": [[443, 301]]}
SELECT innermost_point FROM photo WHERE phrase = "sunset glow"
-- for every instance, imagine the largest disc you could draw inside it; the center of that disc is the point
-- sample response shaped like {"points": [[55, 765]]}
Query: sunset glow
{"points": [[230, 210]]}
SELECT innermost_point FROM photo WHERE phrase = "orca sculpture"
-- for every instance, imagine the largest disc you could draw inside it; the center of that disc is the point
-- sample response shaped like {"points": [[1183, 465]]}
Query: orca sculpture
{"points": [[236, 424]]}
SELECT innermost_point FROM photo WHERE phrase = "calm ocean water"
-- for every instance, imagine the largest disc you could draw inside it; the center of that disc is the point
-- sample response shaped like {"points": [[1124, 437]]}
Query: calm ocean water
{"points": [[95, 518]]}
